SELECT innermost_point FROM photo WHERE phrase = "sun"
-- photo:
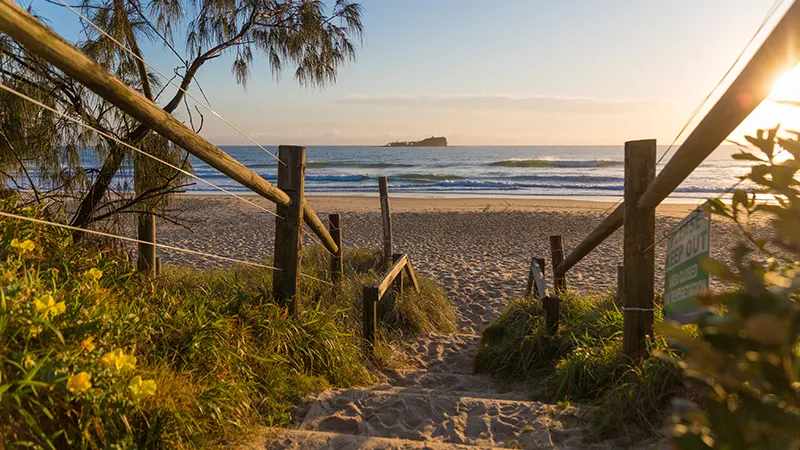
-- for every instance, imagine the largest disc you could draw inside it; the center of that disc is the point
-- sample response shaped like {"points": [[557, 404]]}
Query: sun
{"points": [[782, 107], [787, 87]]}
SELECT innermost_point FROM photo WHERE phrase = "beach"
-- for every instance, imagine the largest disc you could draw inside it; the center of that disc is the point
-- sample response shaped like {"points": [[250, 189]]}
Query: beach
{"points": [[477, 249]]}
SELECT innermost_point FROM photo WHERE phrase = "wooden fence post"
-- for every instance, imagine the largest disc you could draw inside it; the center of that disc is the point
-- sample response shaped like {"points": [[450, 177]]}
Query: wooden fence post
{"points": [[620, 283], [146, 262], [638, 248], [557, 255], [337, 265], [370, 301], [383, 186], [289, 226], [550, 305]]}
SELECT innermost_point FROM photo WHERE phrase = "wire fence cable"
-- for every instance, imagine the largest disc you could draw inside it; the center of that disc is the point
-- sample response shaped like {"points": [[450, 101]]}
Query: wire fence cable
{"points": [[169, 80], [164, 246], [123, 143]]}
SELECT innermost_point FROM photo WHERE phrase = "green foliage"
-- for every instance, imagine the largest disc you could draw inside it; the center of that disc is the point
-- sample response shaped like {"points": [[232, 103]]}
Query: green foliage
{"points": [[744, 362], [426, 311], [94, 356], [312, 37], [582, 362]]}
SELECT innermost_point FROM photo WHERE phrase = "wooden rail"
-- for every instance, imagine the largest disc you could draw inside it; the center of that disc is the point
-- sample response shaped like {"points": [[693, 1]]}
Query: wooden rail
{"points": [[373, 294], [779, 53], [42, 41], [537, 285]]}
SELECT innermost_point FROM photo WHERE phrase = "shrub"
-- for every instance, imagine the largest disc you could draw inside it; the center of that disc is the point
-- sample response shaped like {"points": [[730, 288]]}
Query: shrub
{"points": [[581, 363], [744, 363], [94, 356]]}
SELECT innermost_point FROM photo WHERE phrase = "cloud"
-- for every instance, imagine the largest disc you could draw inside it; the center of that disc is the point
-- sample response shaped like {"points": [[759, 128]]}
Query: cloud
{"points": [[503, 102]]}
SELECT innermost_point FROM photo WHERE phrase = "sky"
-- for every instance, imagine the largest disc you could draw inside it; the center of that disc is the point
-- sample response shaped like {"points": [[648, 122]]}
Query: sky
{"points": [[511, 72]]}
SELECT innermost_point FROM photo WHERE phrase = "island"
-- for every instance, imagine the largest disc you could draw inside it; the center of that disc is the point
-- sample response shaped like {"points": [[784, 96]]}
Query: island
{"points": [[428, 142]]}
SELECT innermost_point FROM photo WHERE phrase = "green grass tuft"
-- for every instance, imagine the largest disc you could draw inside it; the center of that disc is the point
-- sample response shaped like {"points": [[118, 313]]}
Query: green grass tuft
{"points": [[426, 311], [582, 363], [94, 356]]}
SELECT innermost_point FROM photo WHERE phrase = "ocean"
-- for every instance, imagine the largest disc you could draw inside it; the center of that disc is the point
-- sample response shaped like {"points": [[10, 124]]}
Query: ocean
{"points": [[587, 172], [593, 172]]}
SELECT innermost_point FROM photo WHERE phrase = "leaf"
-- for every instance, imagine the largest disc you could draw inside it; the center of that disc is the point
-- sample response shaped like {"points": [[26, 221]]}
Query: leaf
{"points": [[739, 199], [744, 156], [718, 269], [727, 432]]}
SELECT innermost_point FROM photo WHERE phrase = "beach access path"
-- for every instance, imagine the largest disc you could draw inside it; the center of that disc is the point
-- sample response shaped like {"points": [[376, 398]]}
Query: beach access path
{"points": [[478, 250]]}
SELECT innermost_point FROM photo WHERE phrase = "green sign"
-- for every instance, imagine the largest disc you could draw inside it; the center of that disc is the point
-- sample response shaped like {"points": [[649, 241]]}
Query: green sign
{"points": [[687, 247]]}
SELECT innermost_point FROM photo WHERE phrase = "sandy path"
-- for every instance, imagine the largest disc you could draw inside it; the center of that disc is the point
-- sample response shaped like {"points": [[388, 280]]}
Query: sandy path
{"points": [[478, 251]]}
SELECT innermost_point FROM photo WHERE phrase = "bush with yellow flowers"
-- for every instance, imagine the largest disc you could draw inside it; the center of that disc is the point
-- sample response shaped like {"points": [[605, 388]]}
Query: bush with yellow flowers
{"points": [[93, 355], [60, 383]]}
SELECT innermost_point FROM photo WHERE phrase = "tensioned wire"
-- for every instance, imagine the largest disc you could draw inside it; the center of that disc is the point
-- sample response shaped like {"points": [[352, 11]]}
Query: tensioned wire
{"points": [[119, 141], [109, 136], [164, 246], [699, 107], [123, 238], [169, 80]]}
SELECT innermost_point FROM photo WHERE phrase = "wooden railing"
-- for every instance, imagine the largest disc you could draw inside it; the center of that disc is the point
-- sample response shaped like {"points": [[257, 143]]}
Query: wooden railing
{"points": [[392, 284], [644, 192], [292, 209], [537, 286], [41, 40]]}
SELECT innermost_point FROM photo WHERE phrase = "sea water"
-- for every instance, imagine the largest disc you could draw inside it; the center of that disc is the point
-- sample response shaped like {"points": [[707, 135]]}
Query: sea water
{"points": [[590, 172], [531, 171]]}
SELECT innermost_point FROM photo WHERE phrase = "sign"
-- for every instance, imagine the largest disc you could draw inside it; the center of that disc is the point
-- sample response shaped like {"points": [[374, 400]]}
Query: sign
{"points": [[688, 246]]}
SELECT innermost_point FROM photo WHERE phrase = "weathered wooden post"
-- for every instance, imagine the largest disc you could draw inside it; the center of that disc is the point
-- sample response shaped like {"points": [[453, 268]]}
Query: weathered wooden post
{"points": [[556, 256], [383, 186], [146, 262], [532, 287], [551, 305], [337, 265], [370, 301], [638, 248], [289, 226], [620, 283]]}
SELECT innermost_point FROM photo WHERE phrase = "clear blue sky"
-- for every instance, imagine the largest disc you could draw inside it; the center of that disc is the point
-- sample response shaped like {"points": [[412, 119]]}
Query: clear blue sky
{"points": [[510, 72]]}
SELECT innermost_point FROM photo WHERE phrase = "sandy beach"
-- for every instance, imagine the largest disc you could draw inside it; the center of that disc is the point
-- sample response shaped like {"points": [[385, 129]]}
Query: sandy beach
{"points": [[478, 249]]}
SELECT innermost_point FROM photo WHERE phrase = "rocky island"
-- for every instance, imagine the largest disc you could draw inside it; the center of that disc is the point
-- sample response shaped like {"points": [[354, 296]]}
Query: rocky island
{"points": [[428, 142]]}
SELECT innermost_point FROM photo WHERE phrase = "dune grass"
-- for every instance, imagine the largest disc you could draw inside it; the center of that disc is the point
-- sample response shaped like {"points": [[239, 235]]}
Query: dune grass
{"points": [[582, 363], [94, 356]]}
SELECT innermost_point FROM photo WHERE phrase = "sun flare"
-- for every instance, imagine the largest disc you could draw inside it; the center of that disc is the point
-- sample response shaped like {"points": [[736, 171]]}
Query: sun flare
{"points": [[787, 87]]}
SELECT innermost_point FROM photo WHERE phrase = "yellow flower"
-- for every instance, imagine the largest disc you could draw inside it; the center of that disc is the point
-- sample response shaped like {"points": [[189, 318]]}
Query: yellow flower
{"points": [[118, 360], [24, 247], [142, 388], [88, 344], [79, 382], [28, 362], [47, 306], [93, 274]]}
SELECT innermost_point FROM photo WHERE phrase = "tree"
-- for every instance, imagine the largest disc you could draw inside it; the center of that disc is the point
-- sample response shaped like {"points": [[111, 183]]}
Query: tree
{"points": [[289, 33]]}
